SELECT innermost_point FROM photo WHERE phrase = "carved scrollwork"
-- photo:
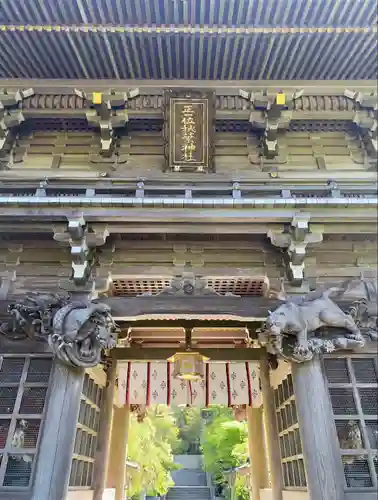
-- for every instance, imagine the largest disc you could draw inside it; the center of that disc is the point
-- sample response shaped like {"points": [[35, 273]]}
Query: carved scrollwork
{"points": [[33, 317], [304, 326], [77, 332]]}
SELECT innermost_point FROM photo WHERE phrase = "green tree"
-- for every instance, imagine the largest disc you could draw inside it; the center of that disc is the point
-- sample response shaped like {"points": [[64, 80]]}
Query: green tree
{"points": [[225, 446], [150, 446], [190, 424]]}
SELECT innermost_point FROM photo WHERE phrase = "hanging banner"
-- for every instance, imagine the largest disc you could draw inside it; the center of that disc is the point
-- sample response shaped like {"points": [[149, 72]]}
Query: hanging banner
{"points": [[152, 383], [189, 127]]}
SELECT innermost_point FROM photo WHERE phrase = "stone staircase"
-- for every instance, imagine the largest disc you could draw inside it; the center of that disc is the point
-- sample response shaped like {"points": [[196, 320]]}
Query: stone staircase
{"points": [[188, 493], [190, 480]]}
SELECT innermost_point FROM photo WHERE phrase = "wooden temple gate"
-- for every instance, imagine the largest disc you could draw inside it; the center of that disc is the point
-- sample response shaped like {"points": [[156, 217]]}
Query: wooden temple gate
{"points": [[289, 405], [182, 176]]}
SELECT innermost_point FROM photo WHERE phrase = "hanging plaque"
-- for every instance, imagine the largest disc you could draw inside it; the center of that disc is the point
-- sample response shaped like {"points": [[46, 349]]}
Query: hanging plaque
{"points": [[189, 126]]}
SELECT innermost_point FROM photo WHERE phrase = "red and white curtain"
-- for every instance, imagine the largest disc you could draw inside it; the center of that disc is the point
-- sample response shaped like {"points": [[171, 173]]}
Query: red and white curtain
{"points": [[150, 383]]}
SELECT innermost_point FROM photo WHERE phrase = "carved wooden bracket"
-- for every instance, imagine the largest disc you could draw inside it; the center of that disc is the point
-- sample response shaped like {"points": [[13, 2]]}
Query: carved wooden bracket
{"points": [[83, 242], [11, 110], [295, 239], [107, 111], [271, 113], [366, 117]]}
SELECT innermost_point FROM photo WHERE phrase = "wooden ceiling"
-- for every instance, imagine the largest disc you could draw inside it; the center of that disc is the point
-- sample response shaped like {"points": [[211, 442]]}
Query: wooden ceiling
{"points": [[189, 39]]}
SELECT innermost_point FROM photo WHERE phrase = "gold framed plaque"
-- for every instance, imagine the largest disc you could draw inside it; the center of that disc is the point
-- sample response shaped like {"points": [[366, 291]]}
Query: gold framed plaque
{"points": [[189, 130]]}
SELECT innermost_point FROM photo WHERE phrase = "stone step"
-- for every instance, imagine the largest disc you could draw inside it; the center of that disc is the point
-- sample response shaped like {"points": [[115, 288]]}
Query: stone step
{"points": [[189, 477], [188, 493]]}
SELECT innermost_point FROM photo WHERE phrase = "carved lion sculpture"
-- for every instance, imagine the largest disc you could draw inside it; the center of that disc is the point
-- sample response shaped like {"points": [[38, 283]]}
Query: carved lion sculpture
{"points": [[81, 332], [300, 318]]}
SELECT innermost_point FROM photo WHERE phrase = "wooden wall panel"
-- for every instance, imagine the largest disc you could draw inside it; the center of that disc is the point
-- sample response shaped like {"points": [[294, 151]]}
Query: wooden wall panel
{"points": [[42, 264], [211, 259], [341, 258], [141, 154], [38, 265]]}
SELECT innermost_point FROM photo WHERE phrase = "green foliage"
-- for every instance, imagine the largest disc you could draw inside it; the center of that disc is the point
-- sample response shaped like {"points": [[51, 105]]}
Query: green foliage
{"points": [[150, 446], [241, 488], [190, 424], [225, 446]]}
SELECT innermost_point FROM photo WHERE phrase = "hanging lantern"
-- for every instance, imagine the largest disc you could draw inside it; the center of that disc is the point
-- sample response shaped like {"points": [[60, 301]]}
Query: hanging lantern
{"points": [[188, 365]]}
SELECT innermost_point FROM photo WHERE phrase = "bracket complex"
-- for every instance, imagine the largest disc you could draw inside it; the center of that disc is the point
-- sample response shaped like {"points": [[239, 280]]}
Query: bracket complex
{"points": [[10, 110], [366, 117], [270, 113], [107, 111], [295, 239], [83, 242]]}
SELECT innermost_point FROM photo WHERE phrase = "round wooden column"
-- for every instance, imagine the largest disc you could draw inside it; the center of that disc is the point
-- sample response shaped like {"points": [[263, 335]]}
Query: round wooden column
{"points": [[117, 464], [272, 438], [104, 434], [318, 433], [59, 432], [256, 448]]}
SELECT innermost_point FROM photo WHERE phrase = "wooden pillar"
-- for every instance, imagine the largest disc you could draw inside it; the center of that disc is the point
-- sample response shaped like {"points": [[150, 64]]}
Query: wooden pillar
{"points": [[256, 451], [104, 435], [59, 432], [118, 455], [318, 434], [272, 438]]}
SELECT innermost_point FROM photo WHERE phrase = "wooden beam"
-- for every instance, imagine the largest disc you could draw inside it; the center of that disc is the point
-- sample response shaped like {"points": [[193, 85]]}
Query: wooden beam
{"points": [[194, 323], [284, 178], [162, 353], [153, 114], [186, 308], [181, 309], [321, 87], [20, 226]]}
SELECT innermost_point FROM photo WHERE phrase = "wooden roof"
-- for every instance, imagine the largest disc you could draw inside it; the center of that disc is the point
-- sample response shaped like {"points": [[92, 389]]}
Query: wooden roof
{"points": [[189, 39]]}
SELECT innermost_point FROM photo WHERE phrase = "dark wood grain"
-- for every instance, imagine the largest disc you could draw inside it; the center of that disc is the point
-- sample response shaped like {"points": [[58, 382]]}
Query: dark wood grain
{"points": [[104, 434], [271, 430], [59, 432], [318, 433]]}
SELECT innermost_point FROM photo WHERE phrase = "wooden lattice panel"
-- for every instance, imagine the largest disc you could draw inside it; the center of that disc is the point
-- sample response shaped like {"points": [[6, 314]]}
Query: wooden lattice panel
{"points": [[353, 389], [254, 287], [123, 287]]}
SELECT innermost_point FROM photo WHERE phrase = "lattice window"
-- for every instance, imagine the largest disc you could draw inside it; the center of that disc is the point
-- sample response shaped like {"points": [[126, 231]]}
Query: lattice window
{"points": [[250, 286], [23, 388], [123, 287], [293, 469], [82, 467], [353, 388], [254, 287]]}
